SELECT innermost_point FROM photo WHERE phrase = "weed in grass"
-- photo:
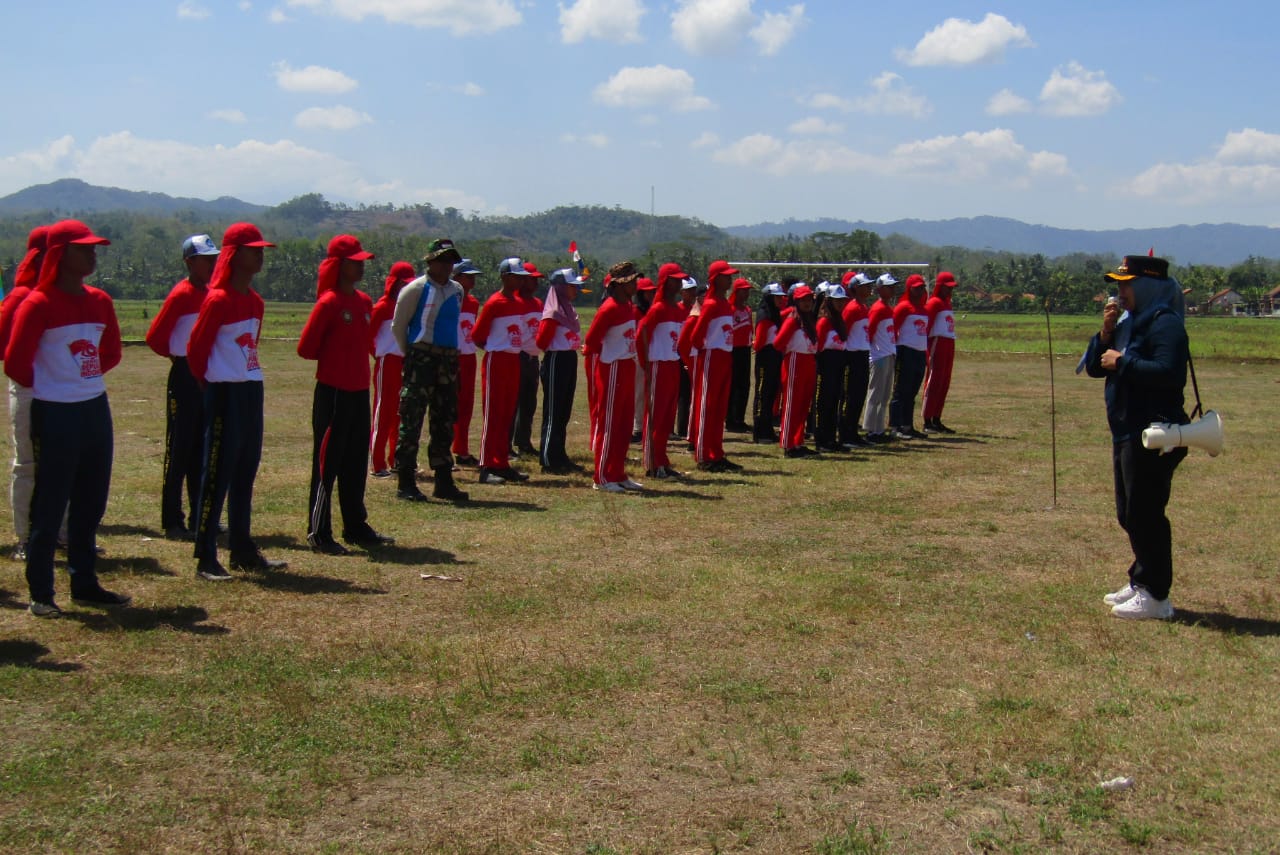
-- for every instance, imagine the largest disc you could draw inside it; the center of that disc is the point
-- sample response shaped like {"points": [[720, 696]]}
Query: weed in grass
{"points": [[1050, 831], [848, 778], [1135, 833], [854, 840], [1113, 708], [921, 792], [1088, 805], [1006, 705]]}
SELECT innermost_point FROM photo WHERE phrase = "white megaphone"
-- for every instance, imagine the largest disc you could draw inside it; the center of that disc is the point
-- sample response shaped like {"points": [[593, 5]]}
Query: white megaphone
{"points": [[1205, 432]]}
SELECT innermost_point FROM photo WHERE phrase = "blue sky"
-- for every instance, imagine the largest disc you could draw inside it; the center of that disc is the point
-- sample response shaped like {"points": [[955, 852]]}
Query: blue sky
{"points": [[1081, 115]]}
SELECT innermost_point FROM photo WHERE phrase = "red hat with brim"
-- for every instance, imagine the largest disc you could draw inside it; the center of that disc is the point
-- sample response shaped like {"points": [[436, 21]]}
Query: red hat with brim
{"points": [[720, 268], [348, 247], [243, 234]]}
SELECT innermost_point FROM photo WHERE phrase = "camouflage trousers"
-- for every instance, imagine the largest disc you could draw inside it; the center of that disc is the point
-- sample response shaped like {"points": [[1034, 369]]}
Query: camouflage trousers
{"points": [[428, 386]]}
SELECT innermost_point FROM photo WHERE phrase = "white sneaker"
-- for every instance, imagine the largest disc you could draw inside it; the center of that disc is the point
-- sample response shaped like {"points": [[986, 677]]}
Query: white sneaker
{"points": [[609, 487], [1143, 606], [633, 486], [1123, 595]]}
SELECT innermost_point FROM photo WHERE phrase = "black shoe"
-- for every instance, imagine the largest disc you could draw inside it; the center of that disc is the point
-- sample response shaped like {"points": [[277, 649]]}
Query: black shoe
{"points": [[765, 440], [557, 469], [738, 427], [637, 436], [256, 561], [940, 427], [490, 476], [100, 597], [367, 538], [20, 553], [829, 449], [800, 451], [528, 449], [714, 466], [466, 460], [407, 488], [326, 545], [901, 433], [382, 473], [445, 488], [509, 474], [915, 434], [730, 466], [179, 532], [46, 610], [210, 570]]}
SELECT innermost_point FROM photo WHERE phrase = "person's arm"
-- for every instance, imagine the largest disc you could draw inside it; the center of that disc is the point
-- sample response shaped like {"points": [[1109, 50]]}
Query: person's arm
{"points": [[110, 347], [203, 335], [1166, 367], [546, 333], [788, 329], [406, 305], [762, 335], [484, 320], [162, 324], [20, 356], [315, 330], [600, 324]]}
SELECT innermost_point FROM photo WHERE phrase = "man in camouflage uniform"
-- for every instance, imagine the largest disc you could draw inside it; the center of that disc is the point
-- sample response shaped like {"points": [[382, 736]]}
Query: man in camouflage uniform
{"points": [[425, 325]]}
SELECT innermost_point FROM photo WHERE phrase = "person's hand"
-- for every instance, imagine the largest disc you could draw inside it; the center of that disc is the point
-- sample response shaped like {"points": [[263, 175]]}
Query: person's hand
{"points": [[1110, 358], [1110, 315]]}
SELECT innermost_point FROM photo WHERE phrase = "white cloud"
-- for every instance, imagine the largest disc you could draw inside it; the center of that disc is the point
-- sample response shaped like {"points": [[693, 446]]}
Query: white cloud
{"points": [[828, 101], [340, 118], [596, 140], [1075, 91], [278, 16], [1244, 169], [313, 78], [235, 117], [472, 90], [244, 5], [976, 156], [460, 17], [1250, 146], [705, 140], [890, 95], [711, 26], [191, 11], [775, 30], [1007, 103], [765, 153], [655, 85], [957, 41], [609, 20], [815, 125], [257, 171]]}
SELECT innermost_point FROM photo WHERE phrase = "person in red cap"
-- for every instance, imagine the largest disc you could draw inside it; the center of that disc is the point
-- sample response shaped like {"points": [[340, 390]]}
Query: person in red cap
{"points": [[689, 296], [65, 338], [883, 356], [942, 352], [184, 403], [559, 337], [858, 353], [612, 337], [657, 340], [833, 363], [713, 337], [500, 331], [22, 479], [222, 354], [336, 335], [690, 365], [646, 292], [740, 366], [388, 363], [797, 340], [465, 273], [527, 400], [768, 365], [911, 325]]}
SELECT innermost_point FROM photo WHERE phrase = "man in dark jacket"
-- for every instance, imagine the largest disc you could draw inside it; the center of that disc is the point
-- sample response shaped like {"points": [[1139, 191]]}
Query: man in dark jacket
{"points": [[1143, 357]]}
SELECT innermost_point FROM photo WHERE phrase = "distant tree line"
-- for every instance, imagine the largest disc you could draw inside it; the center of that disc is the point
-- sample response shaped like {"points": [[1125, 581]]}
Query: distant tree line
{"points": [[144, 259]]}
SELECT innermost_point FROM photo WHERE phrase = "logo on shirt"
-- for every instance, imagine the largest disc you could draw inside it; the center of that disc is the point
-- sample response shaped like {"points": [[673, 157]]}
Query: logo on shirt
{"points": [[920, 326], [465, 326], [346, 316], [249, 347], [513, 335], [572, 338], [951, 323], [630, 335], [85, 354]]}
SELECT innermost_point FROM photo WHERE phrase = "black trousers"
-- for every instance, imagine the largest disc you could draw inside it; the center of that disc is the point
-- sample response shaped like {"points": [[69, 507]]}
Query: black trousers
{"points": [[522, 423], [340, 428], [909, 374], [829, 397], [1143, 480], [559, 384], [739, 387], [183, 446], [232, 451], [73, 446], [684, 402], [768, 380], [856, 376]]}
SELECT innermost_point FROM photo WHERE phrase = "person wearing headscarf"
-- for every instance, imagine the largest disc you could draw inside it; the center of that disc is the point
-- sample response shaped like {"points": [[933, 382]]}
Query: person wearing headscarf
{"points": [[500, 331], [612, 338], [222, 354], [911, 325], [657, 341], [713, 337], [689, 295], [858, 366], [740, 367], [646, 294], [797, 341], [336, 336], [425, 326], [388, 365], [22, 478], [832, 362], [465, 273], [882, 356], [559, 337], [1144, 361], [691, 366], [184, 402], [942, 352], [64, 339], [527, 400], [768, 364]]}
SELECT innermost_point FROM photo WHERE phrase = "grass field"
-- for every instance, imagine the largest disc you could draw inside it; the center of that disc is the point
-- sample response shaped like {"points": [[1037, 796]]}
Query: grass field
{"points": [[902, 650]]}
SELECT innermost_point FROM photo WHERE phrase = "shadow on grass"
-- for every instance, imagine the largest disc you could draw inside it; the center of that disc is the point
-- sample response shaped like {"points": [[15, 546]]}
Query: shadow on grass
{"points": [[126, 529], [144, 566], [418, 555], [494, 504], [29, 654], [189, 619], [299, 583], [663, 493], [1223, 622]]}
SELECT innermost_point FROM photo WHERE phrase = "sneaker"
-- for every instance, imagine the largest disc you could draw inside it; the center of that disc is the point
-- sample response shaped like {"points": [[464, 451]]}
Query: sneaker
{"points": [[382, 473], [326, 545], [903, 433], [609, 487], [713, 466], [179, 532], [49, 609], [367, 537], [658, 473], [466, 460], [830, 449], [100, 597], [510, 474], [488, 476], [940, 427], [256, 561], [19, 553], [671, 473], [633, 486], [637, 436], [1123, 595], [730, 466], [211, 571], [1143, 606]]}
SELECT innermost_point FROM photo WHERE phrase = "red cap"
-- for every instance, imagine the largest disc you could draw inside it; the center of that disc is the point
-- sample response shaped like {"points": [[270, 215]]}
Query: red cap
{"points": [[741, 285], [801, 292], [243, 234], [346, 247], [644, 283], [720, 268], [671, 270], [532, 270], [946, 278], [71, 231], [848, 277], [402, 270], [915, 280], [28, 272]]}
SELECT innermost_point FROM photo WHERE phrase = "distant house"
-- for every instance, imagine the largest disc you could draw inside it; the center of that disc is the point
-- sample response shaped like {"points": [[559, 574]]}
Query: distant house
{"points": [[1271, 303], [1228, 300]]}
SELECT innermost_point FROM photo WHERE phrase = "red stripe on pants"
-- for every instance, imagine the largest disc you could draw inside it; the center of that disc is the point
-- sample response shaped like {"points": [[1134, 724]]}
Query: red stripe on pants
{"points": [[616, 399], [800, 374], [500, 386], [386, 410], [661, 395], [716, 366], [466, 404], [937, 375]]}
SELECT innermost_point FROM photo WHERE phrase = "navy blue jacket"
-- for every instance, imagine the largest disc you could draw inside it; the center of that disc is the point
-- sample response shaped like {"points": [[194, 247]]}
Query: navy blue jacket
{"points": [[1149, 378]]}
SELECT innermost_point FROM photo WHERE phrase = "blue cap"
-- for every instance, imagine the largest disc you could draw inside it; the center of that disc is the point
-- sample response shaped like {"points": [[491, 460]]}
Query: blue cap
{"points": [[836, 292], [773, 289], [513, 265], [465, 266], [198, 245], [566, 276], [886, 279]]}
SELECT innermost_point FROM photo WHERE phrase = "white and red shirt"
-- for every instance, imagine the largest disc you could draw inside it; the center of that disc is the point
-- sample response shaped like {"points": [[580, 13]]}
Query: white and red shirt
{"points": [[224, 342], [62, 344], [714, 330], [792, 337], [855, 321], [660, 331], [742, 326], [532, 320], [613, 332], [500, 324], [383, 342], [466, 323], [911, 324], [555, 336], [880, 332], [942, 320], [828, 337], [171, 328]]}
